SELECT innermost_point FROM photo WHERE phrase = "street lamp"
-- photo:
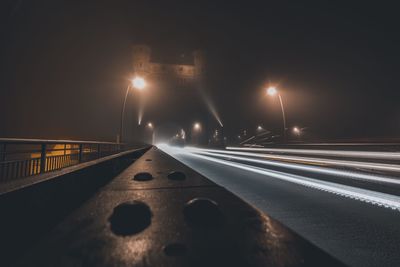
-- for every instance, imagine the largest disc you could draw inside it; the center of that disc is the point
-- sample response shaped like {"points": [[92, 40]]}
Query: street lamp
{"points": [[139, 83], [197, 126], [151, 127], [272, 91], [196, 131], [259, 128], [296, 130]]}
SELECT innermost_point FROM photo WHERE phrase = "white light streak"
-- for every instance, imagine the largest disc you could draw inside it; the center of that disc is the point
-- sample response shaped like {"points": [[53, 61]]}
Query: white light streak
{"points": [[313, 169], [335, 153], [364, 195], [343, 163]]}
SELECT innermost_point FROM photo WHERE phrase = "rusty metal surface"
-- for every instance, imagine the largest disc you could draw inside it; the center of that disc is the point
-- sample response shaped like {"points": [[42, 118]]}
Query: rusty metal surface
{"points": [[183, 220], [31, 209]]}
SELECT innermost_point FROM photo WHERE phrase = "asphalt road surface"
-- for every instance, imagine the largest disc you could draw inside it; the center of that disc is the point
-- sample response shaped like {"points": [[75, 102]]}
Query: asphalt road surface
{"points": [[345, 202]]}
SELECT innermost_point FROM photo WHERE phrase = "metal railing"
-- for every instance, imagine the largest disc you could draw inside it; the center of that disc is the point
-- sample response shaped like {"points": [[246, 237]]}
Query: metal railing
{"points": [[26, 157]]}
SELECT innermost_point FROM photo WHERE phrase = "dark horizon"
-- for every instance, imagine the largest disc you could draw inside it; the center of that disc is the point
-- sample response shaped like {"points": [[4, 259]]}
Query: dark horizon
{"points": [[65, 66]]}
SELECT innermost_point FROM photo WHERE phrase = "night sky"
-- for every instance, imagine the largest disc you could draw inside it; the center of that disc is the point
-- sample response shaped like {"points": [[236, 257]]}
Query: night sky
{"points": [[65, 64]]}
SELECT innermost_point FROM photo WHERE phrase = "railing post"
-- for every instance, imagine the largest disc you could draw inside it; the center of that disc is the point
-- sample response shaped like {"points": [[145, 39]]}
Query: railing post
{"points": [[3, 155], [43, 158], [80, 153]]}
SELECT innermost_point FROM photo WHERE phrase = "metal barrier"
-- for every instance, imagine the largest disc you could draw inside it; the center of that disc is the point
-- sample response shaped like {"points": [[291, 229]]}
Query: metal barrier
{"points": [[25, 157]]}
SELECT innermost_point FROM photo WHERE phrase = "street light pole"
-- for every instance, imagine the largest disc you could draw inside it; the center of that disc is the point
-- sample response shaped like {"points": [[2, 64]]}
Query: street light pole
{"points": [[121, 128], [138, 83], [272, 91], [151, 127], [283, 117]]}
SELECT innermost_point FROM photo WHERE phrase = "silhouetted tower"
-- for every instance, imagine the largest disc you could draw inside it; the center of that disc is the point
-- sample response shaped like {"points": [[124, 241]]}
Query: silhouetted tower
{"points": [[199, 63], [141, 59]]}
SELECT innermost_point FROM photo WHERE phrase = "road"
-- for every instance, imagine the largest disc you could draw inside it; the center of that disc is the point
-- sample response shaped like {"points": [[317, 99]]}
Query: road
{"points": [[345, 202]]}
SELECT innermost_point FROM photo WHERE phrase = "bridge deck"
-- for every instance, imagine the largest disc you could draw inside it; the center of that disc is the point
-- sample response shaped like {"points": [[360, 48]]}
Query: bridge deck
{"points": [[170, 219]]}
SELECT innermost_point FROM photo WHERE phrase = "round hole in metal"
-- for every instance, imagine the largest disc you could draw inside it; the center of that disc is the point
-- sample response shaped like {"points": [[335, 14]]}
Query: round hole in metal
{"points": [[175, 249], [176, 175], [202, 212], [143, 176], [130, 218]]}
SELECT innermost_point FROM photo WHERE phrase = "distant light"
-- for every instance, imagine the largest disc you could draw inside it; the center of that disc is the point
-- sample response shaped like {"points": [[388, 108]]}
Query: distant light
{"points": [[139, 83], [272, 91], [150, 125], [259, 128], [197, 126], [296, 130]]}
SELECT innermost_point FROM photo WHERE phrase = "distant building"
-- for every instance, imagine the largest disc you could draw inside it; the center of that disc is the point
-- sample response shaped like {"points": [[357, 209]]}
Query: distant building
{"points": [[184, 71], [172, 109]]}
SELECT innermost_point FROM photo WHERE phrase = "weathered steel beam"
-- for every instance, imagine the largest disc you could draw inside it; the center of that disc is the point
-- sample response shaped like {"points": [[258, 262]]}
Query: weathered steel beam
{"points": [[31, 207], [158, 212]]}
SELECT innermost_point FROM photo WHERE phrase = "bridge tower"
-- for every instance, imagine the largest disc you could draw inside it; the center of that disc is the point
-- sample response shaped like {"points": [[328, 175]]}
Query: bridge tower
{"points": [[141, 59], [199, 63]]}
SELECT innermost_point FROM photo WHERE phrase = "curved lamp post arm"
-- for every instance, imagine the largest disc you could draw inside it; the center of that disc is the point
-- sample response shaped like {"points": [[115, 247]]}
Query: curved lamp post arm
{"points": [[283, 117], [121, 129]]}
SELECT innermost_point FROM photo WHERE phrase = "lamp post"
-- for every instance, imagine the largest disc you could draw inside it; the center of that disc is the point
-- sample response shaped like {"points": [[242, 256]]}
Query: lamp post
{"points": [[138, 83], [151, 127], [272, 92], [296, 131], [196, 131]]}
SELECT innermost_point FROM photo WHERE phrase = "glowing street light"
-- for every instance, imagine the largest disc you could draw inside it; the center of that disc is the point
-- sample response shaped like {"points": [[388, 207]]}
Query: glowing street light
{"points": [[138, 83], [196, 132], [296, 130], [272, 91], [197, 126], [259, 128], [150, 125]]}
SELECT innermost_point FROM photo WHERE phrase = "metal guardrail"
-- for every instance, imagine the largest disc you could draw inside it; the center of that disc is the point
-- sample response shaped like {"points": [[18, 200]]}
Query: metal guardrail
{"points": [[26, 157]]}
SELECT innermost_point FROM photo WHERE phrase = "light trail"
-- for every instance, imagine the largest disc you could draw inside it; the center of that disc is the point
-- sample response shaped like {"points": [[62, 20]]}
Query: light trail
{"points": [[364, 195], [336, 153], [312, 169], [344, 163], [347, 144]]}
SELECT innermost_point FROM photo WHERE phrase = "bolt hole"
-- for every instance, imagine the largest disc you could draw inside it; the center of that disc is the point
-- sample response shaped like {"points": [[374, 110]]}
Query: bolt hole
{"points": [[203, 212], [130, 218], [149, 160], [176, 175], [175, 249], [143, 176]]}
